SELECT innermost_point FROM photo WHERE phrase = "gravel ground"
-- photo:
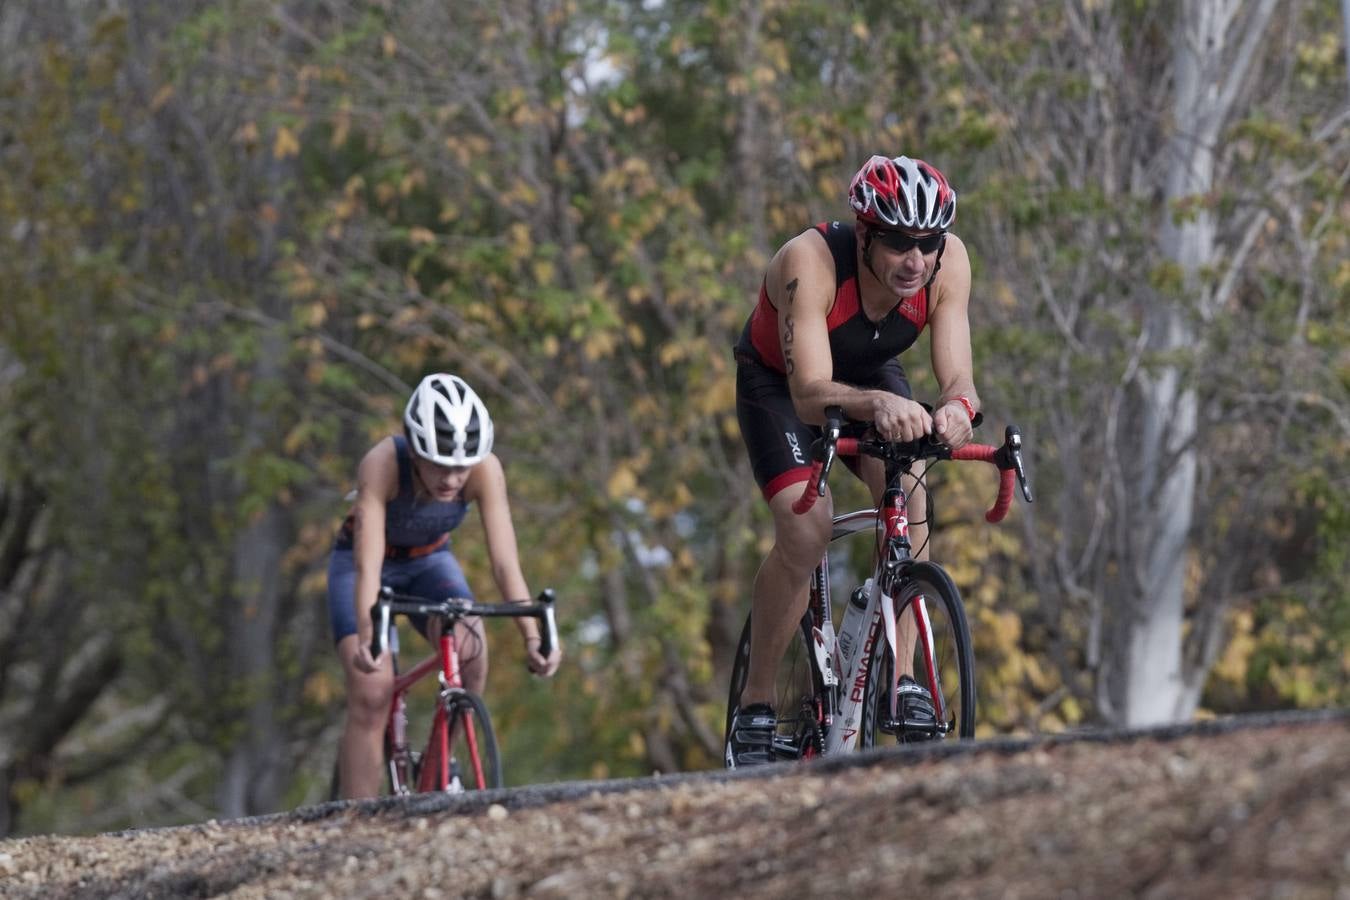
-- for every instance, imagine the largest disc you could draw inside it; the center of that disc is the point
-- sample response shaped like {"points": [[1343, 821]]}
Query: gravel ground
{"points": [[1255, 807]]}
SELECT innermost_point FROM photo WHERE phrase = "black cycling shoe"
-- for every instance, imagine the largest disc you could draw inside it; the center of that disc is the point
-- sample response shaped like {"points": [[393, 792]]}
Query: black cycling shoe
{"points": [[914, 705], [750, 742]]}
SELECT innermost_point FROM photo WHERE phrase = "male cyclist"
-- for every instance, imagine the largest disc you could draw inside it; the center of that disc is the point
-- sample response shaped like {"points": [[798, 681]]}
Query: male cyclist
{"points": [[838, 304], [412, 491]]}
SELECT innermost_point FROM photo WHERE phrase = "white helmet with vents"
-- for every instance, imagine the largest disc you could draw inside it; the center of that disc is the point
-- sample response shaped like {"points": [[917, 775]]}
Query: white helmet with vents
{"points": [[447, 423], [902, 193]]}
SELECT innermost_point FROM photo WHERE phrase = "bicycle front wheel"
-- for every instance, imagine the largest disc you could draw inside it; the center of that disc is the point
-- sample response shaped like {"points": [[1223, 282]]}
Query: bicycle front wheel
{"points": [[473, 761], [935, 649], [798, 693]]}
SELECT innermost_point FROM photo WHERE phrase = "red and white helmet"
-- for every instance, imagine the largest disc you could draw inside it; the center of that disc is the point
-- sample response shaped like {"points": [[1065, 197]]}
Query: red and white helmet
{"points": [[902, 193], [447, 423]]}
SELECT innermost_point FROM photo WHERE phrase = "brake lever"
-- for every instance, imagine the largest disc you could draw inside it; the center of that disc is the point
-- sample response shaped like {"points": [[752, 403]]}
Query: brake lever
{"points": [[834, 420], [1013, 440]]}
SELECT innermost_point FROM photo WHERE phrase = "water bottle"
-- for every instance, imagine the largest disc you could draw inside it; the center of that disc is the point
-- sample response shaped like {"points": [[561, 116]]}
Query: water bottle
{"points": [[850, 637]]}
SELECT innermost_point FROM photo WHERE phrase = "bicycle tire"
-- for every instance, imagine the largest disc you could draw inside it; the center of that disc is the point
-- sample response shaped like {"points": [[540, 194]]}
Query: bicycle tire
{"points": [[798, 693], [475, 759], [953, 682]]}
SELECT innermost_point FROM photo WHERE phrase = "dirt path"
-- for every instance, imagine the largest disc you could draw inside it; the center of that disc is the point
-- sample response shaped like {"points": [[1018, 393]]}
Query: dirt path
{"points": [[1242, 808]]}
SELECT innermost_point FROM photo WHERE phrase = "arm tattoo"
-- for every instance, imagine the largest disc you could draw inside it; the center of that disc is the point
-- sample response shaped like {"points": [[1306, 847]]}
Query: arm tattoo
{"points": [[788, 364]]}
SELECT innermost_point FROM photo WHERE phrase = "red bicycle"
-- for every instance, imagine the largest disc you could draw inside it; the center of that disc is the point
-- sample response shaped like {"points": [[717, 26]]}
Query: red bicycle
{"points": [[461, 750], [837, 690]]}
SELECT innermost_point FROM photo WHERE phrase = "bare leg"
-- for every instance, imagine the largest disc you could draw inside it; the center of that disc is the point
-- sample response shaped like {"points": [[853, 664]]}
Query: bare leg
{"points": [[361, 750], [781, 587], [473, 654]]}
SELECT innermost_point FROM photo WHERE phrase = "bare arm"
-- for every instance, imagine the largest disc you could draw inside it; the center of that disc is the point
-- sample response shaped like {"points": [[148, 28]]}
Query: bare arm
{"points": [[487, 487], [950, 338], [801, 284], [376, 485]]}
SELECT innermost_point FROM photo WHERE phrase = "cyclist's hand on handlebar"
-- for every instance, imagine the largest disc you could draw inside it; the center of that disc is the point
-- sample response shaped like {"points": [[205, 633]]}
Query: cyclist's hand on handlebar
{"points": [[362, 659], [898, 419], [537, 663], [951, 423]]}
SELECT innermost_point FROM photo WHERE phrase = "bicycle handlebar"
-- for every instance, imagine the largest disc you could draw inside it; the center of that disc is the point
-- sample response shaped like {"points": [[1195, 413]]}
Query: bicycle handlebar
{"points": [[1008, 459], [453, 608]]}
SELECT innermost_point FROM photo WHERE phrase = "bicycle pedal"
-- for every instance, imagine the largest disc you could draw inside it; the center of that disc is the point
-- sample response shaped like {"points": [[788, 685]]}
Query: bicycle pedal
{"points": [[917, 730]]}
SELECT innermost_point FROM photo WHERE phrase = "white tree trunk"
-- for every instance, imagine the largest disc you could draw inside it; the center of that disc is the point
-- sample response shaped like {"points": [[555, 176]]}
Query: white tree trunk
{"points": [[1152, 686]]}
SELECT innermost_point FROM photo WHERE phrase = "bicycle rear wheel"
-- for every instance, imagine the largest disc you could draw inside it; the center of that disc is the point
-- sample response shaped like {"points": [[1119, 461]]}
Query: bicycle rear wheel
{"points": [[473, 761], [798, 693], [942, 659]]}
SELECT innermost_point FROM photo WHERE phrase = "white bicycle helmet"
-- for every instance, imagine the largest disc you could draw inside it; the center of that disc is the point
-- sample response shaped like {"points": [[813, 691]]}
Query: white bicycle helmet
{"points": [[447, 423], [902, 193]]}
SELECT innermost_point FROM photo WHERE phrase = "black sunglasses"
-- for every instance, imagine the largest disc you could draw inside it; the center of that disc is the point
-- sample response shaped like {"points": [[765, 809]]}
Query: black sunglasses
{"points": [[901, 242]]}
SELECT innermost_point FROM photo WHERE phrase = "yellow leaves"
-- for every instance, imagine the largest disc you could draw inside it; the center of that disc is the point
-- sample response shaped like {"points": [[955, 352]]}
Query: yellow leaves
{"points": [[622, 482], [344, 209], [673, 352], [389, 45], [162, 96], [519, 242], [286, 144], [411, 181], [860, 30], [1004, 296], [466, 148], [321, 689], [1341, 279], [600, 346], [419, 236], [300, 282], [720, 397], [1232, 666], [342, 125], [544, 271], [247, 134], [763, 76]]}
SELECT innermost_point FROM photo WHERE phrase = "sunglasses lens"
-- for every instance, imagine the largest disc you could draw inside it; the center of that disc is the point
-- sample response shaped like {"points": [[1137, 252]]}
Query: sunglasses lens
{"points": [[903, 243]]}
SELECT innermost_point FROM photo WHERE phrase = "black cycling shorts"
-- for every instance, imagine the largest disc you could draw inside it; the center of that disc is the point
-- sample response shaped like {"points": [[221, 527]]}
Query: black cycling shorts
{"points": [[778, 442]]}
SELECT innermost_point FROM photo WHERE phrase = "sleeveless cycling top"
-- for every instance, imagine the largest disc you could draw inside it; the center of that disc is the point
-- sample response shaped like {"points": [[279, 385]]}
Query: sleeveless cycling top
{"points": [[410, 524], [859, 347]]}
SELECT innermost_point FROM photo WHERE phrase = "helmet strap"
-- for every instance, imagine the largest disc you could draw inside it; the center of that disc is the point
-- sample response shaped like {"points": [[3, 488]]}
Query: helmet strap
{"points": [[937, 263], [867, 252]]}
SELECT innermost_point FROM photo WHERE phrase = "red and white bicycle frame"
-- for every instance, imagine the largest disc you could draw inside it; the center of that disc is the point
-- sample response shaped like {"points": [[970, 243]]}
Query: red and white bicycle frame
{"points": [[435, 768], [842, 732]]}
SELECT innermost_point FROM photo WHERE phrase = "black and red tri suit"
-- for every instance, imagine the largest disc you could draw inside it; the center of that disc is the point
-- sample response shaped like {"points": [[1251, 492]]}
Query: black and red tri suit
{"points": [[863, 351]]}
